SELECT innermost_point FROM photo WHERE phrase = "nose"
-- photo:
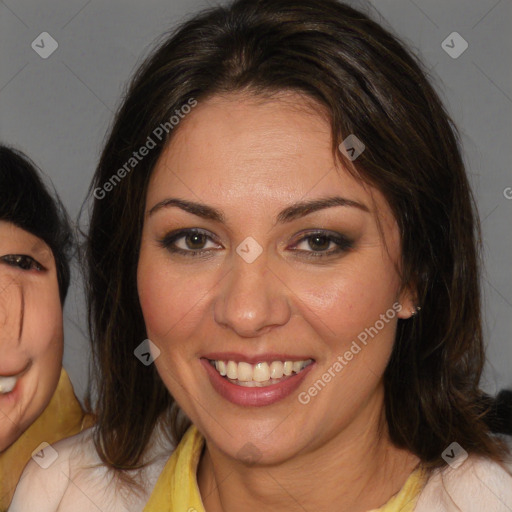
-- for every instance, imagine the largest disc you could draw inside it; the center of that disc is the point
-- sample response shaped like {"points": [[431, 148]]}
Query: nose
{"points": [[11, 311], [251, 299]]}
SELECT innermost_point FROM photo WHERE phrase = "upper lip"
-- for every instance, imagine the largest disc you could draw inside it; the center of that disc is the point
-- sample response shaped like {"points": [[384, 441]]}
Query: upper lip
{"points": [[10, 373], [253, 359]]}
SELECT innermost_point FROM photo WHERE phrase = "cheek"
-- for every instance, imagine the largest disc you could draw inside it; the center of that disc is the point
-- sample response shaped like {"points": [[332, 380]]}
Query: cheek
{"points": [[43, 327], [342, 303], [170, 300], [42, 343]]}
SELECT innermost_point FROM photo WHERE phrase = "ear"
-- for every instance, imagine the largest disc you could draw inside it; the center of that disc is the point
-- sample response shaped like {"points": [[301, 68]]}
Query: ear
{"points": [[407, 298]]}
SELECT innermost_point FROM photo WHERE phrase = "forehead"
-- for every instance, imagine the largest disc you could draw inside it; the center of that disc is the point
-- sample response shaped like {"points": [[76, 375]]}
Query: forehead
{"points": [[241, 150]]}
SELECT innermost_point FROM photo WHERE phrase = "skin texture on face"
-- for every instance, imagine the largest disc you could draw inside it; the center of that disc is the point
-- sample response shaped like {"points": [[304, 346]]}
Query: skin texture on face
{"points": [[31, 332], [252, 159]]}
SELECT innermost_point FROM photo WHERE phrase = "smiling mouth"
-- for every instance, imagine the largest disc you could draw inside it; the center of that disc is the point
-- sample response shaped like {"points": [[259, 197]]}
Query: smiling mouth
{"points": [[260, 374]]}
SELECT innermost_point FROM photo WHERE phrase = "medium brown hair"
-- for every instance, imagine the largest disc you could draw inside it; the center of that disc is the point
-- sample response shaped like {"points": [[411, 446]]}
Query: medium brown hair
{"points": [[371, 86]]}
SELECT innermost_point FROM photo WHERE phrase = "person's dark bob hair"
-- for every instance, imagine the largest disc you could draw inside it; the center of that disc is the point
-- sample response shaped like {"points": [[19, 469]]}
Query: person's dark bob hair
{"points": [[26, 202], [369, 85]]}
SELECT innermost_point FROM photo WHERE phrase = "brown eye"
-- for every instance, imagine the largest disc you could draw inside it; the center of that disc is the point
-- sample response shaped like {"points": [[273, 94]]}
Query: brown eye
{"points": [[22, 261], [322, 244], [189, 242], [319, 243], [195, 241]]}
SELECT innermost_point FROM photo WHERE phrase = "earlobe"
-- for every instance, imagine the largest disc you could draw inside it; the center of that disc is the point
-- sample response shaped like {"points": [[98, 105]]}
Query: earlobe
{"points": [[409, 304], [409, 312]]}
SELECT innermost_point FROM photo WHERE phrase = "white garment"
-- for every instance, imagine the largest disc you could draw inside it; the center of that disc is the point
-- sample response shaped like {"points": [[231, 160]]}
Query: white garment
{"points": [[78, 482], [478, 485]]}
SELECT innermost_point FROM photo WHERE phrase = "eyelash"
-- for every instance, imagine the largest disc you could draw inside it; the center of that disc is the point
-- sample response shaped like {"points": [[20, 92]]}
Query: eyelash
{"points": [[343, 243], [20, 261]]}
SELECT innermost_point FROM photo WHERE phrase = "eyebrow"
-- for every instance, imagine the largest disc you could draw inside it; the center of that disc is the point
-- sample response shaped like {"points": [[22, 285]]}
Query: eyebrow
{"points": [[289, 214]]}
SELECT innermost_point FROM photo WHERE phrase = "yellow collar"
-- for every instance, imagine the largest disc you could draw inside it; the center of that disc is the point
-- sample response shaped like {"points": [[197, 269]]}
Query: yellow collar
{"points": [[62, 417], [176, 488]]}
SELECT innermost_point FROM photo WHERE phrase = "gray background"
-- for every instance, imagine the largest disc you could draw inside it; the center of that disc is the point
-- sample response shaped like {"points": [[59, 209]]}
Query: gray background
{"points": [[58, 110]]}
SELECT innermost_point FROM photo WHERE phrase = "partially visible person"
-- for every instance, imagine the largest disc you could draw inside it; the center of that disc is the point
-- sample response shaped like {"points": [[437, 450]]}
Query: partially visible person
{"points": [[37, 402]]}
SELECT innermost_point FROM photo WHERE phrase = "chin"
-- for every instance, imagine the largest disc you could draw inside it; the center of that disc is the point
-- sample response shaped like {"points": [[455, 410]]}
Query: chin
{"points": [[252, 441]]}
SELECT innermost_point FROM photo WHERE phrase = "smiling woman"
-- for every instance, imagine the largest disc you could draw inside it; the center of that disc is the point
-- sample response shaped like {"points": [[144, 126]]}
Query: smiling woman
{"points": [[308, 226], [37, 403]]}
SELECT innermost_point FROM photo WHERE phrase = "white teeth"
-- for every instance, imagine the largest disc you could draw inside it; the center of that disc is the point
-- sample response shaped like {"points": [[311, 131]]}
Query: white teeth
{"points": [[244, 372], [232, 370], [276, 370], [7, 384], [221, 367], [260, 374]]}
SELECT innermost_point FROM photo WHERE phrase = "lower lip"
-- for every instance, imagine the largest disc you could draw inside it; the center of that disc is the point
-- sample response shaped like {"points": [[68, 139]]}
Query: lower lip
{"points": [[254, 397]]}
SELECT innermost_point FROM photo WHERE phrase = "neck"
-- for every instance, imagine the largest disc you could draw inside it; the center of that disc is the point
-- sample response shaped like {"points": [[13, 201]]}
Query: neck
{"points": [[356, 469]]}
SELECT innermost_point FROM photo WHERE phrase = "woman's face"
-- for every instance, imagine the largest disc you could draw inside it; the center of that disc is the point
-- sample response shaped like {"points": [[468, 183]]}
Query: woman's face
{"points": [[31, 337], [257, 249]]}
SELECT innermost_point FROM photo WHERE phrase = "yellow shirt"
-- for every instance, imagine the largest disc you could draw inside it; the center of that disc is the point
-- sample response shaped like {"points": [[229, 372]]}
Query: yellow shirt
{"points": [[62, 417], [177, 490]]}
